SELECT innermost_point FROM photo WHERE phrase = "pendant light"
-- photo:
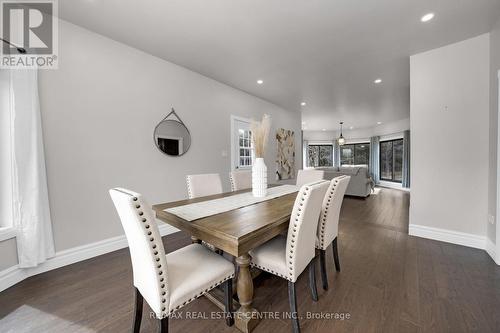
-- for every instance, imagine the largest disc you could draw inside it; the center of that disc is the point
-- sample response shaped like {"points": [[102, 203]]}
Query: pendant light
{"points": [[341, 139]]}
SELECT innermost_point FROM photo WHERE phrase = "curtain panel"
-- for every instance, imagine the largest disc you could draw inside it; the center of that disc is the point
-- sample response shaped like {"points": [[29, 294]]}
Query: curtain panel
{"points": [[336, 153], [406, 159], [375, 159], [305, 154], [30, 200]]}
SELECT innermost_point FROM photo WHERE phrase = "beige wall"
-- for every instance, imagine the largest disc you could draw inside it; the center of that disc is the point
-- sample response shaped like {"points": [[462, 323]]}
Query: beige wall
{"points": [[99, 110], [450, 136]]}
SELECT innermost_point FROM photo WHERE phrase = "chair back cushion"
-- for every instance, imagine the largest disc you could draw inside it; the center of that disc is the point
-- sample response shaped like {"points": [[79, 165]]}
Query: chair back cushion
{"points": [[240, 180], [203, 185], [309, 176], [149, 263], [328, 225], [301, 238]]}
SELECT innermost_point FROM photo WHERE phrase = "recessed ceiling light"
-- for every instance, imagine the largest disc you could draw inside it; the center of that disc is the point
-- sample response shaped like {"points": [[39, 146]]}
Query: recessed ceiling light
{"points": [[352, 127], [303, 103], [377, 81], [379, 122], [427, 17], [324, 129], [260, 81]]}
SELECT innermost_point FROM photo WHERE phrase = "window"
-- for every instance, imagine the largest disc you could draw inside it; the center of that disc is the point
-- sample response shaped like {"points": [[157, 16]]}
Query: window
{"points": [[391, 160], [320, 155], [355, 154], [245, 148], [242, 152]]}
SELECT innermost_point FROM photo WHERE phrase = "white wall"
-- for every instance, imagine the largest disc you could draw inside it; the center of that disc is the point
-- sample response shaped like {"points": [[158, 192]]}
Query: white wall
{"points": [[494, 68], [449, 137], [99, 110]]}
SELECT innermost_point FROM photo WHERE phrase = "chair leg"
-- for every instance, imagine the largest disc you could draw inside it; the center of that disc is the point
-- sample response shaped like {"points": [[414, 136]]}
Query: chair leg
{"points": [[336, 254], [228, 302], [138, 311], [312, 279], [322, 264], [164, 325], [292, 298]]}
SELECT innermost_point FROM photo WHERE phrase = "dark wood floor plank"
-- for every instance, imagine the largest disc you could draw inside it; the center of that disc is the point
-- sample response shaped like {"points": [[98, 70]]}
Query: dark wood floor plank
{"points": [[390, 282]]}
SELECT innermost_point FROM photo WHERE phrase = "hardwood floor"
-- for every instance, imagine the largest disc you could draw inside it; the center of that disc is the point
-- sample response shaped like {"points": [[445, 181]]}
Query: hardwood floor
{"points": [[390, 282]]}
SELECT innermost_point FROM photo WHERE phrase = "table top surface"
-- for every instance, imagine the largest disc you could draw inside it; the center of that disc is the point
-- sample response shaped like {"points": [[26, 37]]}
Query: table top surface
{"points": [[236, 231]]}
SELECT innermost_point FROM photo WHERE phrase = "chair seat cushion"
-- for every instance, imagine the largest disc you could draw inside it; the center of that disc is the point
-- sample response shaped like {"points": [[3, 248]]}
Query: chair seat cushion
{"points": [[271, 257], [194, 270]]}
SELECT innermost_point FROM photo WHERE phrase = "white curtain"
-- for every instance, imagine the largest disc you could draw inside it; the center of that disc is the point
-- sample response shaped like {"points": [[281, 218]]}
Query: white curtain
{"points": [[305, 152], [336, 153], [375, 159], [30, 201]]}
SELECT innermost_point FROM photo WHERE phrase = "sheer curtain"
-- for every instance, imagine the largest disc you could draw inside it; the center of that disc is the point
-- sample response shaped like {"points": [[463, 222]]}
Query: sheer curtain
{"points": [[375, 159], [336, 153], [305, 157], [406, 159], [30, 201]]}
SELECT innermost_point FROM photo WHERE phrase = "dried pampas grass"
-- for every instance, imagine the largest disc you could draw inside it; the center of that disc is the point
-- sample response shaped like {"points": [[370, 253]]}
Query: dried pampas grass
{"points": [[260, 135]]}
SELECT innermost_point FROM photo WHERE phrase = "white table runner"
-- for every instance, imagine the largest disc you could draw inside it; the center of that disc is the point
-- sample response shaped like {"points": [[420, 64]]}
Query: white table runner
{"points": [[199, 210]]}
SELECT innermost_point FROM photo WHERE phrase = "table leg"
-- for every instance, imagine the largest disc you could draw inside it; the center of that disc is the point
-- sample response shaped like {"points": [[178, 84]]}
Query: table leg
{"points": [[246, 318]]}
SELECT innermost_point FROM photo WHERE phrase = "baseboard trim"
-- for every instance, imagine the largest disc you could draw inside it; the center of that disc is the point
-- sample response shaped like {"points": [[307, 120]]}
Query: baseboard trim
{"points": [[491, 250], [455, 237], [448, 236], [15, 274]]}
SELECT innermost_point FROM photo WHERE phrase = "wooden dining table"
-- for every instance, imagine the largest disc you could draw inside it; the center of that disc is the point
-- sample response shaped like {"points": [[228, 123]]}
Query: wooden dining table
{"points": [[236, 232]]}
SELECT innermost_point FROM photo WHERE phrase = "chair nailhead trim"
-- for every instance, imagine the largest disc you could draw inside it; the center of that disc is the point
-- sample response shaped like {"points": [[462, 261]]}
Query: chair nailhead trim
{"points": [[324, 215], [270, 271], [190, 192], [161, 278]]}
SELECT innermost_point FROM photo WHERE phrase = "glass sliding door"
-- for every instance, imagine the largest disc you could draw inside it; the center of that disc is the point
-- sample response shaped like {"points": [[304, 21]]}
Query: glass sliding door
{"points": [[391, 160]]}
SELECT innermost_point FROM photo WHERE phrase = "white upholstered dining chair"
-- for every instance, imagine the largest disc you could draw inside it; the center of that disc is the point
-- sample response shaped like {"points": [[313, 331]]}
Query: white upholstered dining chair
{"points": [[167, 282], [328, 226], [309, 176], [240, 179], [203, 185], [288, 257]]}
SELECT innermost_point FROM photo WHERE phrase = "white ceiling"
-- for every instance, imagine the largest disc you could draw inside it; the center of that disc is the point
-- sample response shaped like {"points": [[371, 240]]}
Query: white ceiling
{"points": [[324, 52]]}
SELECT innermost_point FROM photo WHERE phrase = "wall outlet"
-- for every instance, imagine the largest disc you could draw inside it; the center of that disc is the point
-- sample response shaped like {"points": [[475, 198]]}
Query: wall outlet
{"points": [[491, 219]]}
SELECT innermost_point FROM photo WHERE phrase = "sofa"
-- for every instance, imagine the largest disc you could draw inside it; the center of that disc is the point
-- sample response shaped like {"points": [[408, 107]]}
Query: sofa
{"points": [[361, 183]]}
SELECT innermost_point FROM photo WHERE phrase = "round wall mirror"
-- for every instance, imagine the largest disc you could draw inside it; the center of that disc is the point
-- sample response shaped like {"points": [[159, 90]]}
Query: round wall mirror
{"points": [[172, 136]]}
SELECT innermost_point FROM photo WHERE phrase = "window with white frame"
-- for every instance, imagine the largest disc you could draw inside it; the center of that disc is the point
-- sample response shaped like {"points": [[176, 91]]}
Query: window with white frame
{"points": [[242, 153], [245, 148]]}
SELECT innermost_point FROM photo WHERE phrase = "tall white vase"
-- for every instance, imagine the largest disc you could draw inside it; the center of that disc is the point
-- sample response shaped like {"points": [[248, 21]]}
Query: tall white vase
{"points": [[259, 178]]}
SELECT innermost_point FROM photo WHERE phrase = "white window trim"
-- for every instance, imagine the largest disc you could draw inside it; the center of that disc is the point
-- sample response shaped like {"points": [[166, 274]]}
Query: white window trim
{"points": [[7, 233]]}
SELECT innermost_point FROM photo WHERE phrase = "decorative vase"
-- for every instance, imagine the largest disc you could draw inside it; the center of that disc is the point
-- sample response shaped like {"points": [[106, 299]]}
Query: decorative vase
{"points": [[259, 178]]}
